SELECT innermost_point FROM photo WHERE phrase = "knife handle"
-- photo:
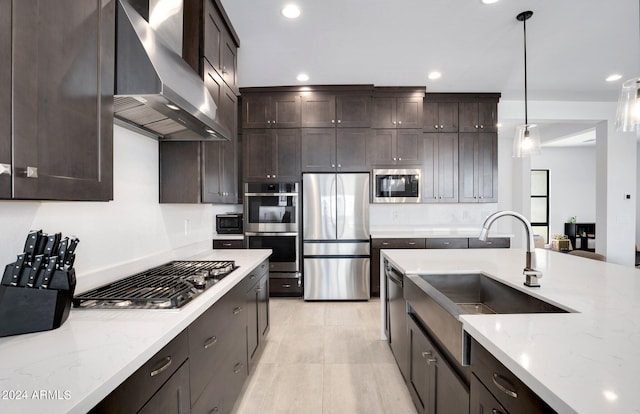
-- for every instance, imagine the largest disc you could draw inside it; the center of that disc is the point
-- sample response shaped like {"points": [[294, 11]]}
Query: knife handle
{"points": [[44, 278], [35, 269], [40, 243], [18, 267], [51, 248], [62, 252], [31, 242]]}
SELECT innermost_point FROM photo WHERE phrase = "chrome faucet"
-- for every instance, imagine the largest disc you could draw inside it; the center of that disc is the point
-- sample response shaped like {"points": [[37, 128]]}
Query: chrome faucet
{"points": [[531, 274]]}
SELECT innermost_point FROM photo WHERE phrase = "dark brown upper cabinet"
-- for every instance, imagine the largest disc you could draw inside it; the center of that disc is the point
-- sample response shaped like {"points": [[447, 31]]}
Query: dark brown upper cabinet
{"points": [[478, 116], [208, 35], [440, 168], [478, 167], [394, 147], [277, 110], [56, 117], [440, 116], [271, 154], [328, 150], [398, 107], [326, 110]]}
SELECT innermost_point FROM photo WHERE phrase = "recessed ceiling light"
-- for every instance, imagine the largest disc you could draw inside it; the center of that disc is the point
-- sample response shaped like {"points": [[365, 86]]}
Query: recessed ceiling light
{"points": [[291, 11], [614, 77], [171, 106], [302, 77], [434, 75], [489, 1]]}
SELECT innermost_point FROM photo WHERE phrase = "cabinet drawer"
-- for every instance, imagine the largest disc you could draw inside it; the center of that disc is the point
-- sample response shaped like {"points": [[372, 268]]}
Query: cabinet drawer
{"points": [[447, 243], [492, 242], [512, 393], [228, 244], [132, 394], [398, 243], [285, 286]]}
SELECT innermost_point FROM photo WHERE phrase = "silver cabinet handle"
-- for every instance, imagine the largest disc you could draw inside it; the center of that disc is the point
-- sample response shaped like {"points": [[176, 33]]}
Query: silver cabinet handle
{"points": [[399, 122], [333, 121], [273, 176], [210, 342], [268, 175], [226, 244], [446, 243], [501, 387], [411, 243], [238, 367], [394, 122], [494, 411], [268, 122], [436, 126], [426, 354], [224, 70], [339, 165], [214, 410], [431, 361], [399, 159], [286, 285], [258, 290], [385, 243], [237, 310], [166, 362], [5, 169], [273, 122], [339, 121], [481, 126], [333, 165], [252, 277], [476, 126], [32, 172], [394, 158], [441, 126]]}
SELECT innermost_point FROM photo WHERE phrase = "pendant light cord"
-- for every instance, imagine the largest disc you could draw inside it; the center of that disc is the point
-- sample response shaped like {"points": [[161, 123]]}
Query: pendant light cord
{"points": [[526, 120]]}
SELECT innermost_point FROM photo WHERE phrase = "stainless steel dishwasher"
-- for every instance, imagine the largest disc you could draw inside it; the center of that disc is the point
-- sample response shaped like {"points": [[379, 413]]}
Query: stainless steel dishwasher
{"points": [[397, 330]]}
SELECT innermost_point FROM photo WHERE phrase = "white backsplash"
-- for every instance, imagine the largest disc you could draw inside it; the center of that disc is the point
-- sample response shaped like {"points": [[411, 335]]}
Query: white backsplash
{"points": [[430, 216]]}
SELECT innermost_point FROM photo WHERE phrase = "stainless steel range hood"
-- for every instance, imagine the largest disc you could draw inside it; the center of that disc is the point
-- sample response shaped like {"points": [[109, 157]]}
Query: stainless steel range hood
{"points": [[156, 90]]}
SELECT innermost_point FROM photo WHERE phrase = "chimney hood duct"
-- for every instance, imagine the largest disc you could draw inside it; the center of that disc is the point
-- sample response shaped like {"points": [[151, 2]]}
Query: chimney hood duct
{"points": [[156, 90]]}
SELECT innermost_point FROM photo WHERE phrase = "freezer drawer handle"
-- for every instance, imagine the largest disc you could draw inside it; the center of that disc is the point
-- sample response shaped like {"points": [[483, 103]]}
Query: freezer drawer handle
{"points": [[286, 285], [166, 362], [238, 367]]}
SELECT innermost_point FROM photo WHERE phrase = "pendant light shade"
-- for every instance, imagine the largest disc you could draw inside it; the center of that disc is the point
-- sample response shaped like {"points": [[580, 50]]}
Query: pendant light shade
{"points": [[527, 139], [628, 115]]}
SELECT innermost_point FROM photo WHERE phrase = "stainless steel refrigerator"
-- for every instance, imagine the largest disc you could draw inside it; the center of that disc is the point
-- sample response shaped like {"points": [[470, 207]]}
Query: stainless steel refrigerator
{"points": [[335, 229]]}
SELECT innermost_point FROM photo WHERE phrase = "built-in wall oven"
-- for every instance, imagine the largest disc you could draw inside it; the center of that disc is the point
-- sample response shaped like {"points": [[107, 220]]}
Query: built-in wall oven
{"points": [[272, 221]]}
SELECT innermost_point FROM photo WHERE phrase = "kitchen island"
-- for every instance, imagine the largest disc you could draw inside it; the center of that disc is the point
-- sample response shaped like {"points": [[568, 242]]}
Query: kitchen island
{"points": [[584, 361], [72, 368]]}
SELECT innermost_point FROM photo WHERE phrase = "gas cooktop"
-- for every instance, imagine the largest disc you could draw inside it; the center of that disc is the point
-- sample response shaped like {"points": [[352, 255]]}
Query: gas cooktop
{"points": [[168, 286]]}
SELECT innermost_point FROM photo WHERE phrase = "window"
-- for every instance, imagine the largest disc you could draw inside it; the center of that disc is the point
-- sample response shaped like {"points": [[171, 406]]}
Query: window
{"points": [[540, 203]]}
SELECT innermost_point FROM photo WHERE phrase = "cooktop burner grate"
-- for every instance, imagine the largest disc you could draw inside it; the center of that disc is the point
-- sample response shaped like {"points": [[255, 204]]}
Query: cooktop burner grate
{"points": [[167, 286]]}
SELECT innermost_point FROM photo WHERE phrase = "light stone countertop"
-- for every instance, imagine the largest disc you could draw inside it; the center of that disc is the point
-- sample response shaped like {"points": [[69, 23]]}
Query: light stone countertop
{"points": [[581, 362], [94, 351], [218, 236]]}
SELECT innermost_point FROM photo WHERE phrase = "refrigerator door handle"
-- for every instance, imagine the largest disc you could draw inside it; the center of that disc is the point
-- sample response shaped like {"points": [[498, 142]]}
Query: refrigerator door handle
{"points": [[340, 207], [334, 202]]}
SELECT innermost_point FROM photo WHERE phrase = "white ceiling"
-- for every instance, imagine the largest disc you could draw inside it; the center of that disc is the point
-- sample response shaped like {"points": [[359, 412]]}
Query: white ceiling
{"points": [[572, 45]]}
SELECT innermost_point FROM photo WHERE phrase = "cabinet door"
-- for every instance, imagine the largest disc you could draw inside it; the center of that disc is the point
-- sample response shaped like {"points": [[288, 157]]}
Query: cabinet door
{"points": [[253, 341], [228, 108], [467, 184], [263, 308], [353, 111], [228, 59], [5, 99], [213, 34], [487, 167], [173, 396], [63, 98], [212, 172], [318, 110], [430, 169], [318, 150], [488, 116], [468, 116], [421, 379], [481, 401], [287, 153], [448, 167], [180, 172], [380, 147], [258, 155], [409, 112], [285, 111], [408, 145], [451, 394], [383, 113], [440, 116], [256, 111], [351, 149]]}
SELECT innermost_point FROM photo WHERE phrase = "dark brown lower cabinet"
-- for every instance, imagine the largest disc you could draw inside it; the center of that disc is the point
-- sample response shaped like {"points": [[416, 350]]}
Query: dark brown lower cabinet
{"points": [[481, 401], [285, 286], [258, 314], [433, 384], [173, 396], [228, 243]]}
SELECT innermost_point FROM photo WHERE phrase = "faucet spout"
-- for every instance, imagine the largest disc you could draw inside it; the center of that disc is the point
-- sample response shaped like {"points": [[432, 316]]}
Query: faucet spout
{"points": [[532, 275]]}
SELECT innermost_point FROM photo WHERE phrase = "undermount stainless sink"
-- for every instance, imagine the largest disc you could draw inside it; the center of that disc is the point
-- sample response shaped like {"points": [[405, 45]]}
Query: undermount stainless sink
{"points": [[478, 293], [439, 300]]}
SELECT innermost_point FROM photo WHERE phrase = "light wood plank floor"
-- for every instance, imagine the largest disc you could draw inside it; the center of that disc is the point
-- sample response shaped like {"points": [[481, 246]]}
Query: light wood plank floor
{"points": [[325, 357]]}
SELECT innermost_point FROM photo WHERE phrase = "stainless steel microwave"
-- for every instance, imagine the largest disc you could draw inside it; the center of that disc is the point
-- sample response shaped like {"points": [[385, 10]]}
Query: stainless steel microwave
{"points": [[396, 185]]}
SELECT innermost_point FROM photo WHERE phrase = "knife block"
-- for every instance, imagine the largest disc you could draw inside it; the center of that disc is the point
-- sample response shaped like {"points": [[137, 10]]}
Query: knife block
{"points": [[25, 310]]}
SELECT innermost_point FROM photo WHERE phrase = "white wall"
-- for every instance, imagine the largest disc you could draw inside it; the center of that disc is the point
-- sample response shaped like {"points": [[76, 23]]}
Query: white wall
{"points": [[572, 184], [432, 216], [132, 226], [638, 194]]}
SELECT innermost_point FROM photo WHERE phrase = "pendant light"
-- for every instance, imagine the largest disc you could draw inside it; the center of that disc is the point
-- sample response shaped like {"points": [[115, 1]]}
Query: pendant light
{"points": [[628, 114], [527, 139]]}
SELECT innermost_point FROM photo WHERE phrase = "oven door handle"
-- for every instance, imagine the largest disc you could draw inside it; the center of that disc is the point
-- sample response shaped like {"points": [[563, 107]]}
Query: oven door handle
{"points": [[270, 234]]}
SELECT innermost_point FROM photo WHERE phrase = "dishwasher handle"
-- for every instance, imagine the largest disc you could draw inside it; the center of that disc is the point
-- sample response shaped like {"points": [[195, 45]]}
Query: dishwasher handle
{"points": [[393, 275]]}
